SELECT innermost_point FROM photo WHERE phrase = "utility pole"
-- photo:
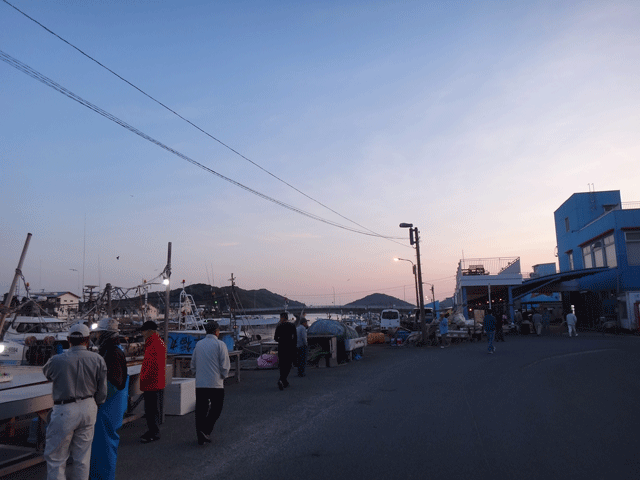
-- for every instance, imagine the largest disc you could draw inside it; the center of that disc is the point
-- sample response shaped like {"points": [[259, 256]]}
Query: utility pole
{"points": [[415, 278], [414, 238], [423, 324]]}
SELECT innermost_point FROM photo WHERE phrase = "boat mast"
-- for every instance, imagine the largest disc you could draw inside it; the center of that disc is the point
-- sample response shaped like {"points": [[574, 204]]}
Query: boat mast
{"points": [[167, 295], [233, 321], [7, 304]]}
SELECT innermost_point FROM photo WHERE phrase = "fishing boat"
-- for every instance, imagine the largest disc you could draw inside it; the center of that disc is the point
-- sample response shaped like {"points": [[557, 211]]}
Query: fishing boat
{"points": [[187, 328], [31, 329], [252, 327]]}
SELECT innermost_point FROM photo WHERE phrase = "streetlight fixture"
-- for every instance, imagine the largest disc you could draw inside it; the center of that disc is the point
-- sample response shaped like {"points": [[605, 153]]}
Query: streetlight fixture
{"points": [[415, 276], [414, 238]]}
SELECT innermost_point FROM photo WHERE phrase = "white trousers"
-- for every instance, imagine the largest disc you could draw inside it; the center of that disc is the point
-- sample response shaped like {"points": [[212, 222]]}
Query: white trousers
{"points": [[70, 431], [572, 330]]}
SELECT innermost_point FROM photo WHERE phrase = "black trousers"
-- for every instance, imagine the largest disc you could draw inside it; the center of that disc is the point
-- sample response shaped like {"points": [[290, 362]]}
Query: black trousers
{"points": [[209, 402], [285, 360], [301, 359], [152, 408]]}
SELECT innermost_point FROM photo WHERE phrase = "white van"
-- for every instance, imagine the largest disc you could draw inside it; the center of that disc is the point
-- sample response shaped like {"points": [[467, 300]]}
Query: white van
{"points": [[389, 319]]}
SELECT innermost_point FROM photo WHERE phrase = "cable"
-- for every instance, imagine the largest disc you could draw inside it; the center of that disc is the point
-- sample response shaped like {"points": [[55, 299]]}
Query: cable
{"points": [[194, 125], [50, 83]]}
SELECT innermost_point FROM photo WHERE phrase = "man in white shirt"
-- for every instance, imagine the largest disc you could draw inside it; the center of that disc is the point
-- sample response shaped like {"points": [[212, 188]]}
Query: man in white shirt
{"points": [[210, 362], [301, 331]]}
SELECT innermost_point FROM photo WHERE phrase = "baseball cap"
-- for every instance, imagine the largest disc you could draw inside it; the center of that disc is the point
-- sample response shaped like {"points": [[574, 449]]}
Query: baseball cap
{"points": [[148, 325], [107, 325], [79, 330]]}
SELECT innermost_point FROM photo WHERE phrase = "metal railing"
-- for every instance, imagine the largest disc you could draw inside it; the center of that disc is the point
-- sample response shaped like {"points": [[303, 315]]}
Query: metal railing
{"points": [[485, 266], [630, 205]]}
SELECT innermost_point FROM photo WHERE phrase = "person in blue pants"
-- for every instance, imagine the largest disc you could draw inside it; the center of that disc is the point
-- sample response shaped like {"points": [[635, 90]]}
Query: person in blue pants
{"points": [[490, 329], [104, 450]]}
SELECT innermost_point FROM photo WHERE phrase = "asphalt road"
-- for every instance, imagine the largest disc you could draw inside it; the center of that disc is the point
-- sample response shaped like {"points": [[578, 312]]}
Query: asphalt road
{"points": [[539, 408]]}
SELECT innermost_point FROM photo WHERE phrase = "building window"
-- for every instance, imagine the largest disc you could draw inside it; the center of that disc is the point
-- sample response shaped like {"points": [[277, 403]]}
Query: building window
{"points": [[570, 257], [601, 253], [633, 247], [598, 254], [610, 251], [566, 223], [586, 255]]}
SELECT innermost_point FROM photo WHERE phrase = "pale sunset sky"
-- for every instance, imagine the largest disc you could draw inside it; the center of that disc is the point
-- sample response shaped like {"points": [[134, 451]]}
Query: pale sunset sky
{"points": [[332, 123]]}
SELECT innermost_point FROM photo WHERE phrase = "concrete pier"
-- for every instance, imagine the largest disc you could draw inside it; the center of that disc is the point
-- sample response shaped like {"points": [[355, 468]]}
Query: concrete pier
{"points": [[540, 407]]}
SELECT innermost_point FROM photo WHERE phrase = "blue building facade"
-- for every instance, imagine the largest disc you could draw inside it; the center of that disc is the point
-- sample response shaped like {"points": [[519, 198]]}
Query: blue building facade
{"points": [[593, 230]]}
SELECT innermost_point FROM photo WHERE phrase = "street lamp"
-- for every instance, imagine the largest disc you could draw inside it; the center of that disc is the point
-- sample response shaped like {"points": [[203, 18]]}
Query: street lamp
{"points": [[414, 238], [415, 276]]}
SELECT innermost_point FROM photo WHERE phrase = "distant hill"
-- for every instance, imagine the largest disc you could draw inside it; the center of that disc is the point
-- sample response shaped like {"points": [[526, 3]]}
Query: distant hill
{"points": [[380, 300], [222, 298]]}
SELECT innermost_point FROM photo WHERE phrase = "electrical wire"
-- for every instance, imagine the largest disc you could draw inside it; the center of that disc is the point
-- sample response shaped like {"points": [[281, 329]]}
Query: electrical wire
{"points": [[196, 126], [50, 83]]}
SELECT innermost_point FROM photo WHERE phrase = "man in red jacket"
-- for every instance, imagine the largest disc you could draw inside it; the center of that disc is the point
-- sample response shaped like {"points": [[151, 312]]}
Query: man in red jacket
{"points": [[152, 379]]}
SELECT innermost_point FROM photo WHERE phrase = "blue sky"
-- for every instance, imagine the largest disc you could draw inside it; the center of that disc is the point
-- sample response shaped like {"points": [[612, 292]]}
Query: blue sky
{"points": [[472, 120]]}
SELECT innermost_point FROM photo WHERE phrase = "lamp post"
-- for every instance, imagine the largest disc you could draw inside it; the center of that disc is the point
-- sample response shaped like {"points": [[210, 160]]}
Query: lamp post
{"points": [[414, 238], [415, 276], [167, 297]]}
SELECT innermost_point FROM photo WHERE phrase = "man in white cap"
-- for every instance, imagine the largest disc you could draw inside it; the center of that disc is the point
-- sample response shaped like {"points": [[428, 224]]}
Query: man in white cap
{"points": [[104, 450], [79, 385]]}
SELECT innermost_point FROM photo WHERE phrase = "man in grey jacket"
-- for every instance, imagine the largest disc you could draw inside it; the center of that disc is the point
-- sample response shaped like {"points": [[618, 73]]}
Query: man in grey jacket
{"points": [[79, 385], [210, 362], [302, 346]]}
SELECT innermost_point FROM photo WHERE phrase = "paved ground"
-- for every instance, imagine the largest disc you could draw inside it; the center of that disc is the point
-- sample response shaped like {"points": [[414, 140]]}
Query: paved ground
{"points": [[539, 408]]}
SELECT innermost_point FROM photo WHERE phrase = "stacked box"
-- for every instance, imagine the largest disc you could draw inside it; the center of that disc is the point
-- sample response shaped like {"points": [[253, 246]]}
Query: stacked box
{"points": [[180, 396]]}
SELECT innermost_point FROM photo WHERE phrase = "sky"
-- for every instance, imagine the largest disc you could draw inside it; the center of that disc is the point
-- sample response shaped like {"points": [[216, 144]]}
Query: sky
{"points": [[474, 121]]}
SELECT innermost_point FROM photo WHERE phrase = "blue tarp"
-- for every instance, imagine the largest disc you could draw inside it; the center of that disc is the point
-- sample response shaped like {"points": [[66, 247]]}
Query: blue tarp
{"points": [[325, 326]]}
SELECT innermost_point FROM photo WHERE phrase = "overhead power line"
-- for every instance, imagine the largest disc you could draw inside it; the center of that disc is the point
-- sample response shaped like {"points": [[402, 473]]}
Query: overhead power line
{"points": [[17, 64], [193, 124]]}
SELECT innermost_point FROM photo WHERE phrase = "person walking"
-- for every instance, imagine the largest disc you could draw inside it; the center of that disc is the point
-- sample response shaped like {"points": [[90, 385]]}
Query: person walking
{"points": [[104, 450], [287, 339], [152, 379], [499, 330], [518, 321], [490, 329], [79, 380], [444, 331], [210, 363], [302, 346], [537, 322], [571, 324]]}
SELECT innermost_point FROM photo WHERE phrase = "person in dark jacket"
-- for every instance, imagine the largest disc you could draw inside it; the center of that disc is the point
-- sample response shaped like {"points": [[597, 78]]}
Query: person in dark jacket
{"points": [[490, 329], [152, 379], [104, 450], [287, 339]]}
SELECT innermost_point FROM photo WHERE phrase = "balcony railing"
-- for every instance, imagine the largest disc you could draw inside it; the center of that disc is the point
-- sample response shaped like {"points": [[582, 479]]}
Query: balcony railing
{"points": [[485, 266], [630, 205]]}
